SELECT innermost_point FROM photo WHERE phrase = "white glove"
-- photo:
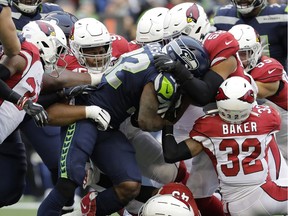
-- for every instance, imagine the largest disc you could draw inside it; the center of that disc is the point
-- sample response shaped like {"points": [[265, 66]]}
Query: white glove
{"points": [[163, 107], [5, 2], [99, 115], [95, 78]]}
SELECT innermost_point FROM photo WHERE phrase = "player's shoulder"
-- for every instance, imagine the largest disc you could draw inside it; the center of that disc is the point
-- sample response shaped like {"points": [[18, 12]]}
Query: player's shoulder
{"points": [[29, 47], [48, 7], [267, 116], [274, 9], [268, 69], [133, 45], [120, 45], [226, 10], [220, 45]]}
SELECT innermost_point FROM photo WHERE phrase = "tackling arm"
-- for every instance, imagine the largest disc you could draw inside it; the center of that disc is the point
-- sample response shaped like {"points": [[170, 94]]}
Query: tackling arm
{"points": [[174, 152], [267, 89], [8, 33]]}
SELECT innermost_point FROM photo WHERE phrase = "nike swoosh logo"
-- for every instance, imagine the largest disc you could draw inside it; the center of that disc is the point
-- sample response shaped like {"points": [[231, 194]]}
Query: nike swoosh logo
{"points": [[228, 42], [167, 90], [83, 206], [271, 71]]}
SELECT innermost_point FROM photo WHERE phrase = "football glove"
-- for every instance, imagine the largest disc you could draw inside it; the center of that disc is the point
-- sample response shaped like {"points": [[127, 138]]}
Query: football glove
{"points": [[74, 91], [98, 115], [163, 63], [35, 110]]}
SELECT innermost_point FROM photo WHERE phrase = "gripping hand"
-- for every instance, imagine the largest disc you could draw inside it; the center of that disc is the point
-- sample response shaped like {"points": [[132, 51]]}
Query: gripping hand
{"points": [[99, 115], [35, 110], [163, 63], [74, 91]]}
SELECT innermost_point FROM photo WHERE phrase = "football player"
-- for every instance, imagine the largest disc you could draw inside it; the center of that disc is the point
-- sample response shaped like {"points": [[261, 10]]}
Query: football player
{"points": [[271, 80], [236, 139], [121, 102], [269, 20]]}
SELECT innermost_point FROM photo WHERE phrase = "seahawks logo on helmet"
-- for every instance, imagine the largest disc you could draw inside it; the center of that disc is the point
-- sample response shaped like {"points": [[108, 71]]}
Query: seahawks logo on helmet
{"points": [[189, 59]]}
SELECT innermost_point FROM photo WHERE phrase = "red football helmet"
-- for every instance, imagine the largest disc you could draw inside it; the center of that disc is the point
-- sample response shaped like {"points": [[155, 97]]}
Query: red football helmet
{"points": [[181, 192]]}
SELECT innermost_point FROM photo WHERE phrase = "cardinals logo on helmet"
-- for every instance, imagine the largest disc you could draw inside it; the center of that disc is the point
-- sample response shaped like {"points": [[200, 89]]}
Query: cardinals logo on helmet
{"points": [[192, 14], [46, 28]]}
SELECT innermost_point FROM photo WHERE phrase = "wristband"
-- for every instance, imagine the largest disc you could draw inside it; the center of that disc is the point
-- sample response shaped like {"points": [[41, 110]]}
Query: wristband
{"points": [[88, 111], [95, 78]]}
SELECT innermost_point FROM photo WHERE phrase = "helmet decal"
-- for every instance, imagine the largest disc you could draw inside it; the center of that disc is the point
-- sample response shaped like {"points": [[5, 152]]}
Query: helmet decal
{"points": [[221, 95], [248, 97], [46, 28], [192, 14]]}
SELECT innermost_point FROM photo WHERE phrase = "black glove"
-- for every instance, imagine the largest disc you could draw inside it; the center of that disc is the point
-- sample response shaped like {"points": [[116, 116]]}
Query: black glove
{"points": [[164, 63], [74, 91], [35, 110]]}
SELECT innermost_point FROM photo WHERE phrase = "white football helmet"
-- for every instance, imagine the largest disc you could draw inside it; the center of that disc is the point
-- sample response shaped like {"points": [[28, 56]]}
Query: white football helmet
{"points": [[188, 19], [49, 39], [247, 6], [249, 43], [90, 42], [235, 99], [27, 6], [150, 26], [165, 205]]}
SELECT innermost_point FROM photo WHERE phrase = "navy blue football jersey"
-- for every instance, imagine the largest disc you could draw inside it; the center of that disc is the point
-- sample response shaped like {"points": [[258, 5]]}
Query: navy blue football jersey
{"points": [[271, 24], [21, 19], [120, 91]]}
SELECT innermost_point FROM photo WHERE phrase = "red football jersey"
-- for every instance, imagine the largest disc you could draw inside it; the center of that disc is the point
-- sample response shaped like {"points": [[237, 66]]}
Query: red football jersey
{"points": [[270, 70]]}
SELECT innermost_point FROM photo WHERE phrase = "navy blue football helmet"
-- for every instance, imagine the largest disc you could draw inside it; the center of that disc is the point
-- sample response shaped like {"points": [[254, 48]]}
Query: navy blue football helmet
{"points": [[63, 19], [190, 52]]}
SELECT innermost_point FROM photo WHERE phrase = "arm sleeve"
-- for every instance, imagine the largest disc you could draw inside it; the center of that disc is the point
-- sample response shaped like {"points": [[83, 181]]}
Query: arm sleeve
{"points": [[201, 91], [7, 93], [172, 151]]}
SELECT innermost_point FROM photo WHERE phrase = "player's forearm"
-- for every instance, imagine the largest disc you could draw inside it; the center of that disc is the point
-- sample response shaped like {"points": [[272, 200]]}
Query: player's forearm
{"points": [[63, 114], [8, 36], [150, 123], [172, 151], [65, 80]]}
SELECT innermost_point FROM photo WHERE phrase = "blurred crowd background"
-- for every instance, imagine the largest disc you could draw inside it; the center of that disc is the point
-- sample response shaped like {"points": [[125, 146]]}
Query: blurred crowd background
{"points": [[121, 16]]}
